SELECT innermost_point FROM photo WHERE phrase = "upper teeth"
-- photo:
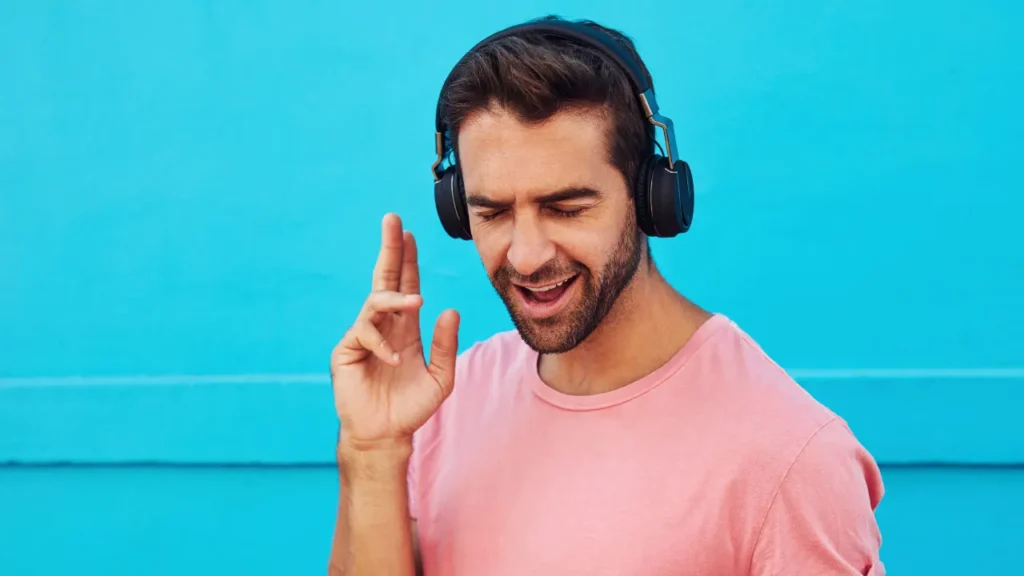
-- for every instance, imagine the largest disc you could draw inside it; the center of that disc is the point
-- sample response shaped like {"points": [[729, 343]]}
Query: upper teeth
{"points": [[551, 287]]}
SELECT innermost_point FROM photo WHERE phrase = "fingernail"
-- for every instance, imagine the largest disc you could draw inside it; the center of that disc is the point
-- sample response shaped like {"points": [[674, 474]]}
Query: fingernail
{"points": [[394, 357]]}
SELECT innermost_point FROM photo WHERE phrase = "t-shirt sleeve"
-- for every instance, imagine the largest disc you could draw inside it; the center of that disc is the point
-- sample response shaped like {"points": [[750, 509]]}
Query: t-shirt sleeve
{"points": [[821, 521]]}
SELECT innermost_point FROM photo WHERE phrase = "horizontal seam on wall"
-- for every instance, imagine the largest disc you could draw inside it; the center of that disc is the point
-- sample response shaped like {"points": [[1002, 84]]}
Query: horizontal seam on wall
{"points": [[322, 379]]}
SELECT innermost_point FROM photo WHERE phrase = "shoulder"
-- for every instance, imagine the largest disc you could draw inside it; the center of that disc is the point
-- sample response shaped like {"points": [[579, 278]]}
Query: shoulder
{"points": [[765, 417], [812, 486], [755, 401]]}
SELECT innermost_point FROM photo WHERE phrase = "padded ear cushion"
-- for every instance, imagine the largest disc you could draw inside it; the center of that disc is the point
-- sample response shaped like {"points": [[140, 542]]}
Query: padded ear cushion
{"points": [[451, 204], [642, 195], [686, 195], [671, 197]]}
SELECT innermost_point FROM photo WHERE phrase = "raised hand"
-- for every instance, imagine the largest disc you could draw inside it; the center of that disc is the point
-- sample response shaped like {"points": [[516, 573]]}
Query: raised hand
{"points": [[383, 388]]}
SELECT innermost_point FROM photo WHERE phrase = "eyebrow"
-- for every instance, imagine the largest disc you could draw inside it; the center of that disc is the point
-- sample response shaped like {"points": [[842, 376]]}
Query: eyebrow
{"points": [[562, 195]]}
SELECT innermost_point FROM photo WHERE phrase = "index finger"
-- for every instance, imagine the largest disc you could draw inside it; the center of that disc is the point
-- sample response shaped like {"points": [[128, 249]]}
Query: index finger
{"points": [[388, 271]]}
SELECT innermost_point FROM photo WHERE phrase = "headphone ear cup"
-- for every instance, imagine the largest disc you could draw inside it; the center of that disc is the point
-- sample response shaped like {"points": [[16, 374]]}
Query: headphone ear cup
{"points": [[671, 197], [641, 197], [450, 201]]}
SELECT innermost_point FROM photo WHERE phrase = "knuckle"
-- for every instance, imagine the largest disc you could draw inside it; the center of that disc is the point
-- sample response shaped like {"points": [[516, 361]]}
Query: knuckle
{"points": [[389, 275]]}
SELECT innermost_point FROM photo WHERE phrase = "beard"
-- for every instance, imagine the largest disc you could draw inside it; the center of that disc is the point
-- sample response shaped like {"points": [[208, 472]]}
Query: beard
{"points": [[597, 295]]}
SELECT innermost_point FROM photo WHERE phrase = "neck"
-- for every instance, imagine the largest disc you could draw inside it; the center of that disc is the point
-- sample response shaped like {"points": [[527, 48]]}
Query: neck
{"points": [[648, 325]]}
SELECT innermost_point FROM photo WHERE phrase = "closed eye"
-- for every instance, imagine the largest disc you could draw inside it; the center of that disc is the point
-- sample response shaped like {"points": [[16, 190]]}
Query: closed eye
{"points": [[563, 213], [491, 215]]}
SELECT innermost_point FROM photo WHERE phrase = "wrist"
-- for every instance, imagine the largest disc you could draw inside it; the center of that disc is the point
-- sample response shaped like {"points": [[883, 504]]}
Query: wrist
{"points": [[377, 460], [395, 446]]}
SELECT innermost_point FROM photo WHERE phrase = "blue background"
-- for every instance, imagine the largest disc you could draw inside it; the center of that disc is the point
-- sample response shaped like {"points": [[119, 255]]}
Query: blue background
{"points": [[190, 197]]}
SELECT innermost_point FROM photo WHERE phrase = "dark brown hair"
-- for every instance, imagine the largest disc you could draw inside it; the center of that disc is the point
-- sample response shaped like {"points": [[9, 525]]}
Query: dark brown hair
{"points": [[536, 76]]}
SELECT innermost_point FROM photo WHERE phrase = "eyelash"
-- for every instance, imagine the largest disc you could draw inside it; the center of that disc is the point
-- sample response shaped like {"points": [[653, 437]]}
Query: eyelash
{"points": [[557, 212], [567, 213]]}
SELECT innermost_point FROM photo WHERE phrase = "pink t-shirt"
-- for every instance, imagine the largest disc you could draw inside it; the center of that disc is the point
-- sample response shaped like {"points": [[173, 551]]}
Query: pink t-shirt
{"points": [[715, 464]]}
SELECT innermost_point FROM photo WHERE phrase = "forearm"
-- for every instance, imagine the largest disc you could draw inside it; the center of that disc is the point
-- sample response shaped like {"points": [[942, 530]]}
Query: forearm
{"points": [[372, 533]]}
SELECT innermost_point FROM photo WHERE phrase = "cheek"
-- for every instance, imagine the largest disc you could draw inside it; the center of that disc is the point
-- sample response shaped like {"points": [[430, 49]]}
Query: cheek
{"points": [[492, 249], [592, 259], [590, 248]]}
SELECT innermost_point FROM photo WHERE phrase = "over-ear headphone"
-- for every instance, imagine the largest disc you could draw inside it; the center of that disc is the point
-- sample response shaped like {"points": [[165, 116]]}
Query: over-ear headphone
{"points": [[663, 191]]}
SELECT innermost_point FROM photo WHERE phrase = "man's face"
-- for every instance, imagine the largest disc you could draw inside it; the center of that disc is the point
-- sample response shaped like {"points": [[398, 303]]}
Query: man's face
{"points": [[552, 219]]}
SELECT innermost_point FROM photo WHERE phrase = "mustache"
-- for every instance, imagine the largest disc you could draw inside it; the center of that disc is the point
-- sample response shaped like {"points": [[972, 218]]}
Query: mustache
{"points": [[549, 272]]}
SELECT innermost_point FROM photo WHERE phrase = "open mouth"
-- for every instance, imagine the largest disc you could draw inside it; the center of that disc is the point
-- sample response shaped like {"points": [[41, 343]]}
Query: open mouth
{"points": [[545, 300]]}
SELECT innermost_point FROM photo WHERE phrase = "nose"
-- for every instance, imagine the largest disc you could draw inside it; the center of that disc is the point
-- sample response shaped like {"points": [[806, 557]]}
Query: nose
{"points": [[530, 247]]}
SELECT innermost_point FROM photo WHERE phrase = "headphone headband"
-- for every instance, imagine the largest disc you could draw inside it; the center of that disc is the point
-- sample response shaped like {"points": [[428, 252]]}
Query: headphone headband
{"points": [[581, 33]]}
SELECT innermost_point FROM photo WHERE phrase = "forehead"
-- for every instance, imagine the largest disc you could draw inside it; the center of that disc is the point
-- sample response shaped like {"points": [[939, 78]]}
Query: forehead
{"points": [[501, 157]]}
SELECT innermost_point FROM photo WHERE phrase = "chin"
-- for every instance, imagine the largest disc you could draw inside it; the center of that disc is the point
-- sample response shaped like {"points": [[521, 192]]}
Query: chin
{"points": [[545, 341], [555, 335]]}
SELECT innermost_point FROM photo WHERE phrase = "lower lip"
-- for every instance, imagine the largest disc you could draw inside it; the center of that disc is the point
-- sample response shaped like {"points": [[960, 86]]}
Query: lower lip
{"points": [[538, 310]]}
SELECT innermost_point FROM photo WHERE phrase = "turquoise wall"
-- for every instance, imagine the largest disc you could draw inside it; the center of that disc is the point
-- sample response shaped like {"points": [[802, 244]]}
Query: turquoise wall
{"points": [[186, 189]]}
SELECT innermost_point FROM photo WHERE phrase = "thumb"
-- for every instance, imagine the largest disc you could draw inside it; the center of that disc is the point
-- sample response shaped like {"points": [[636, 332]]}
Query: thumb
{"points": [[444, 349]]}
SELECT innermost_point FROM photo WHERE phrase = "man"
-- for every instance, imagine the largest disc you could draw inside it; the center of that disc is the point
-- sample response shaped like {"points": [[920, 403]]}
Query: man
{"points": [[620, 428]]}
